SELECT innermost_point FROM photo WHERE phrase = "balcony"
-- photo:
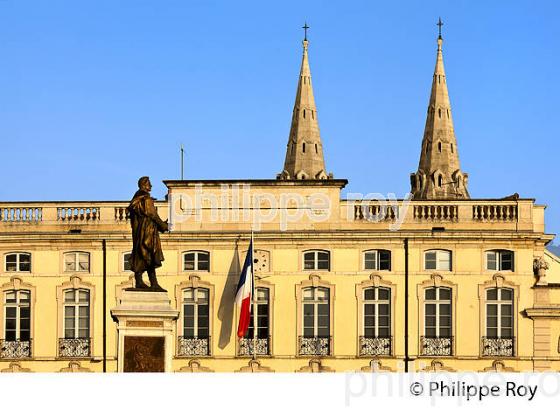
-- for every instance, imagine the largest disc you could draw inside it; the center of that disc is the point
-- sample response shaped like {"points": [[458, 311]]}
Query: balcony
{"points": [[74, 348], [15, 349], [375, 346], [193, 346], [314, 346], [436, 346], [498, 346], [261, 346]]}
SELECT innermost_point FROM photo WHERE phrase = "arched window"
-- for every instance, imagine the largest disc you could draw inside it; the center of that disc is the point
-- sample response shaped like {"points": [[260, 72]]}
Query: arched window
{"points": [[437, 259], [439, 112], [17, 316], [377, 259], [316, 260], [76, 262], [499, 260], [246, 344], [499, 323], [303, 113], [316, 330], [17, 262], [439, 146], [440, 181], [377, 315], [452, 148], [303, 147], [76, 321], [196, 261], [437, 339], [196, 323]]}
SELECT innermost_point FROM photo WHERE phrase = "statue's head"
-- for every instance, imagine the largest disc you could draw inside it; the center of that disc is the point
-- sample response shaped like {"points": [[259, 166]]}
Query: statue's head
{"points": [[144, 184]]}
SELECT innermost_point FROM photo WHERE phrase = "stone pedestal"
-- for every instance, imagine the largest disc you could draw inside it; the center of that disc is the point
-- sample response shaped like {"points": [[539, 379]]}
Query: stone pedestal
{"points": [[145, 324]]}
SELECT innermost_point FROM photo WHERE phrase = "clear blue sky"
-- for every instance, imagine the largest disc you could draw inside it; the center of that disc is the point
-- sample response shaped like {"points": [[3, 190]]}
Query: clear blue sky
{"points": [[87, 88]]}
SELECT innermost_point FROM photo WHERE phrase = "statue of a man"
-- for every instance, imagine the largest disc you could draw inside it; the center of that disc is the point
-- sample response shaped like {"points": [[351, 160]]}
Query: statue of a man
{"points": [[146, 245]]}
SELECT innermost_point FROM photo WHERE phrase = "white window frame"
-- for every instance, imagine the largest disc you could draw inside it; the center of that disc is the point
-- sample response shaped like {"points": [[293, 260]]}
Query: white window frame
{"points": [[315, 302], [377, 259], [196, 304], [76, 255], [260, 302], [196, 261], [499, 303], [124, 261], [18, 261], [18, 304], [438, 302], [76, 304], [376, 302], [316, 253], [439, 260], [498, 253]]}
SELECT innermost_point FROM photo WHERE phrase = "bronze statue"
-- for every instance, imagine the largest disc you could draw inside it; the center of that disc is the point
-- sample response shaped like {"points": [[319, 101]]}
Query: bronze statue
{"points": [[146, 245]]}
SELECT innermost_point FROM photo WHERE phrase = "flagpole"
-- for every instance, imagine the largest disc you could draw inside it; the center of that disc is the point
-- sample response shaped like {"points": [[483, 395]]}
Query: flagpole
{"points": [[254, 296]]}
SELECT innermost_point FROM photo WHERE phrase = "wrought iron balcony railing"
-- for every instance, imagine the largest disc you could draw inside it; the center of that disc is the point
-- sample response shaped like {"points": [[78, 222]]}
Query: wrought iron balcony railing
{"points": [[375, 346], [314, 346], [75, 347], [193, 346], [15, 349], [498, 346], [261, 346], [436, 346]]}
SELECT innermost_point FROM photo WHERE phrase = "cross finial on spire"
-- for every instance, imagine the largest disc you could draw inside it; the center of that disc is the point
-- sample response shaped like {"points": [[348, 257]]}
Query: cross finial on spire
{"points": [[439, 24], [305, 28]]}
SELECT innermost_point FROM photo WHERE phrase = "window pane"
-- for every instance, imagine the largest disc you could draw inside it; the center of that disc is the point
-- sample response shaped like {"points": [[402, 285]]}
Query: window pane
{"points": [[309, 260], [444, 260], [308, 294], [84, 296], [383, 309], [69, 296], [322, 294], [430, 260], [70, 261], [262, 294], [323, 262], [384, 260], [444, 294], [384, 294], [492, 309], [492, 294], [189, 261], [491, 263], [431, 294], [203, 261], [506, 260], [188, 294], [126, 261], [12, 258], [370, 260], [25, 266], [10, 296], [83, 259], [202, 295], [506, 294], [369, 294], [430, 309]]}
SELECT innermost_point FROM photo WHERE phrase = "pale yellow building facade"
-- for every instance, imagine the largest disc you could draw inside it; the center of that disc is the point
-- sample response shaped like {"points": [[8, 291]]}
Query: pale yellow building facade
{"points": [[441, 282]]}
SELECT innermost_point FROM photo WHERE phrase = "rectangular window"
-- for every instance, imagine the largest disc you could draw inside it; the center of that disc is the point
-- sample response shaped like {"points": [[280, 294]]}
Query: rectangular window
{"points": [[499, 260], [76, 262], [18, 262], [437, 260], [17, 311], [196, 261], [316, 260]]}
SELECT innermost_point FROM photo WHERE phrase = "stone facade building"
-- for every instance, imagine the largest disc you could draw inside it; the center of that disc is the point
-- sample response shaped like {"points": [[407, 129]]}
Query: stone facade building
{"points": [[442, 282]]}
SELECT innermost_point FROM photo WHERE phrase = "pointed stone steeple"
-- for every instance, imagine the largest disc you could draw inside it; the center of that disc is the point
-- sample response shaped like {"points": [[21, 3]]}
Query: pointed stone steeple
{"points": [[439, 174], [304, 154]]}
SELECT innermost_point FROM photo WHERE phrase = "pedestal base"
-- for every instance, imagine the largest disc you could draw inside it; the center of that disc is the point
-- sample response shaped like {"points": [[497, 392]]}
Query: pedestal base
{"points": [[145, 325]]}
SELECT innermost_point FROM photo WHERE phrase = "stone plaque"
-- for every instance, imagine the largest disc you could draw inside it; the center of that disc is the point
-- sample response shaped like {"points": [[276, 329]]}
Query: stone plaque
{"points": [[144, 354]]}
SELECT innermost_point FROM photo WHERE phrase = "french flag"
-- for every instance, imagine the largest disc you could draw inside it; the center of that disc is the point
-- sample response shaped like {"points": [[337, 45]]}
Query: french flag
{"points": [[245, 291]]}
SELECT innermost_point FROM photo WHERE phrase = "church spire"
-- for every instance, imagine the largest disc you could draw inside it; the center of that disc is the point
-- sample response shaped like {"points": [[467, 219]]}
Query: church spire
{"points": [[304, 154], [439, 174]]}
